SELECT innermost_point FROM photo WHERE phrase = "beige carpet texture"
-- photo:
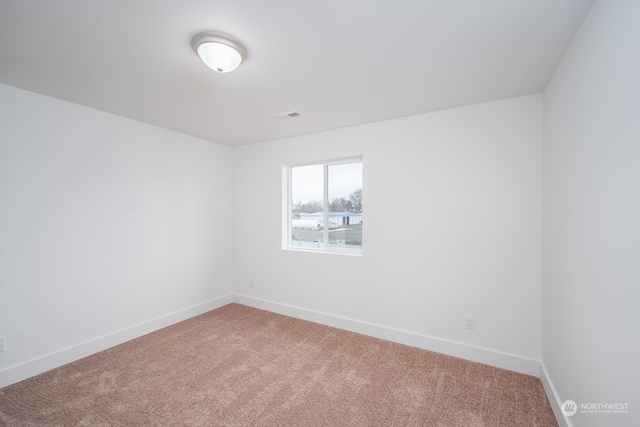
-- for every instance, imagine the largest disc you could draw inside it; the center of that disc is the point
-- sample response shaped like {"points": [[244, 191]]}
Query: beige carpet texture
{"points": [[240, 366]]}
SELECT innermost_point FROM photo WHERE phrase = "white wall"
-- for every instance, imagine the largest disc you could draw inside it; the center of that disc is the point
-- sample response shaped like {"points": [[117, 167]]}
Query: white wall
{"points": [[473, 177], [591, 274], [109, 228]]}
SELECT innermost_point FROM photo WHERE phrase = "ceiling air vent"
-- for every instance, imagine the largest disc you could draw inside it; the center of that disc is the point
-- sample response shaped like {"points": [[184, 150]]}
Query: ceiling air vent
{"points": [[289, 115]]}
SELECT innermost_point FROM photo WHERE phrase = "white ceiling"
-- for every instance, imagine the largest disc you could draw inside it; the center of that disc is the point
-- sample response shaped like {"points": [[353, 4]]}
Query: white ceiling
{"points": [[338, 62]]}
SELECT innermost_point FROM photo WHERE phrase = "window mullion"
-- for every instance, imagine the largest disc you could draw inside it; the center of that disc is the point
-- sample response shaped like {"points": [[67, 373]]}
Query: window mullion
{"points": [[289, 204], [325, 231]]}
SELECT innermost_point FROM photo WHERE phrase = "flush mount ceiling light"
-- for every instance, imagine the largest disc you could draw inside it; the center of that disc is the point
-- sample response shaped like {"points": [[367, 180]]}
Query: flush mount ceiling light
{"points": [[219, 52]]}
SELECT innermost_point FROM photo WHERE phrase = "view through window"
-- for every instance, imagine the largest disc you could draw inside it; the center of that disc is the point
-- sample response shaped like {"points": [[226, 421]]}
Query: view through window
{"points": [[326, 206]]}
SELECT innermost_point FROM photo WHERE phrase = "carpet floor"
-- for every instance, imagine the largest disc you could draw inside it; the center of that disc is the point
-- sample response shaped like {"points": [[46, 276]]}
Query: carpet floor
{"points": [[240, 366]]}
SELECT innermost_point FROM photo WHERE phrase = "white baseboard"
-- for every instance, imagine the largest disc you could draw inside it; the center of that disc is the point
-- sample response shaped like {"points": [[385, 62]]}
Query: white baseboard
{"points": [[464, 351], [36, 366], [554, 398]]}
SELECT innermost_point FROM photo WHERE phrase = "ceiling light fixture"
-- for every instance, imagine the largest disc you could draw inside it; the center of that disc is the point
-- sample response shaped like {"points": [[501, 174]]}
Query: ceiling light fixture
{"points": [[219, 52]]}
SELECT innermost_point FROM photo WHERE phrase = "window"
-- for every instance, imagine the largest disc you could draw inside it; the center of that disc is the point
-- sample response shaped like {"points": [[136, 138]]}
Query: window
{"points": [[323, 209]]}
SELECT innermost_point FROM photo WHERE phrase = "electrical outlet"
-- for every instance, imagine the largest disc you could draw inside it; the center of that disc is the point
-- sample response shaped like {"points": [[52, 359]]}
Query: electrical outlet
{"points": [[251, 284], [470, 322], [1, 344]]}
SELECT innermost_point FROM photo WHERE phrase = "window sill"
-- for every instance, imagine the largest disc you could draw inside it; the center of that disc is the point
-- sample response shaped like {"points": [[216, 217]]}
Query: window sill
{"points": [[353, 252]]}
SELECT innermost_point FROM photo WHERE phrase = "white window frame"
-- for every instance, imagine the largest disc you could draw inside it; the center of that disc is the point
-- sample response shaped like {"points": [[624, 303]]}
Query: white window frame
{"points": [[287, 203]]}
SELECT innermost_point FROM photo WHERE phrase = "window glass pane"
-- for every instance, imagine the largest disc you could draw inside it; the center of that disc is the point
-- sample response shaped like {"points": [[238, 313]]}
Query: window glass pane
{"points": [[307, 206], [345, 205]]}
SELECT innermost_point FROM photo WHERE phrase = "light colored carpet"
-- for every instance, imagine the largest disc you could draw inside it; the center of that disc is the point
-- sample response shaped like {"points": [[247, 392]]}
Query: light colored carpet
{"points": [[239, 366]]}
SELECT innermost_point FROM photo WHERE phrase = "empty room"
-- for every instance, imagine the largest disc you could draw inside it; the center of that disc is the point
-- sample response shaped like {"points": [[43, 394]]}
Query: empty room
{"points": [[339, 213]]}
